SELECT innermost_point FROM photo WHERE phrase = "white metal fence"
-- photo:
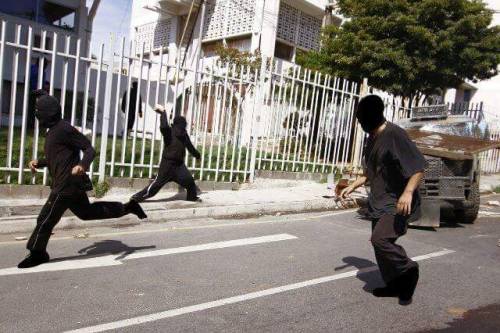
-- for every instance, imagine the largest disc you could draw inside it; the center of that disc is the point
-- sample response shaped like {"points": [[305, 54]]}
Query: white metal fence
{"points": [[490, 160], [241, 119]]}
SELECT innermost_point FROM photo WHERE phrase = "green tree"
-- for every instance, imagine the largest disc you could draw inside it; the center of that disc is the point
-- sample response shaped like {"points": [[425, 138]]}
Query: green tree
{"points": [[410, 48]]}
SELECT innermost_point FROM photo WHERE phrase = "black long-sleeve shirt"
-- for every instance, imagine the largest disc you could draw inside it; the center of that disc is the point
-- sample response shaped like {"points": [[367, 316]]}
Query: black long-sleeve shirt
{"points": [[176, 141], [63, 144]]}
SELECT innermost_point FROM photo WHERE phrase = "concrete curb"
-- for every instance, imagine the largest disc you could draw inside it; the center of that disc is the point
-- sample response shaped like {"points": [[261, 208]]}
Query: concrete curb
{"points": [[25, 224]]}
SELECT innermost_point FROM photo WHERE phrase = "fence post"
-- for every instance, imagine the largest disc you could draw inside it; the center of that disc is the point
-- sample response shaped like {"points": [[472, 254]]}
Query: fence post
{"points": [[356, 158], [106, 111], [257, 106]]}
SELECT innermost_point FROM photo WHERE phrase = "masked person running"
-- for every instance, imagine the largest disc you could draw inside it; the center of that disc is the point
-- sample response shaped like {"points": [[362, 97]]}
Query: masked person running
{"points": [[172, 167], [63, 144], [394, 167]]}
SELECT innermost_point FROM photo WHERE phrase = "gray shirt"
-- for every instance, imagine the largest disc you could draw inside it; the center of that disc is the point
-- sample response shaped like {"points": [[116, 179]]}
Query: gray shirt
{"points": [[390, 159]]}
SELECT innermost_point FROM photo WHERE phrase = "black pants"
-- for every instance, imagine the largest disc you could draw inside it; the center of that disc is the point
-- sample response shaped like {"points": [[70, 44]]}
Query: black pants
{"points": [[79, 204], [170, 171], [391, 258], [130, 121]]}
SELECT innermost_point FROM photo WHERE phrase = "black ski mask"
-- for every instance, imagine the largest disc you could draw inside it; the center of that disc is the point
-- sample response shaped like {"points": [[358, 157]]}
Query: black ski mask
{"points": [[370, 113], [48, 111], [180, 121]]}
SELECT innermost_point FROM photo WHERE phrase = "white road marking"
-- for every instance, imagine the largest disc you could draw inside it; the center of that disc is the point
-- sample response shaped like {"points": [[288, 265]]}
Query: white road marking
{"points": [[211, 246], [208, 226], [110, 260], [237, 299]]}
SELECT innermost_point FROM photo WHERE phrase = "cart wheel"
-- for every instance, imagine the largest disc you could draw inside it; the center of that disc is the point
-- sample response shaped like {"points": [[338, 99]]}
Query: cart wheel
{"points": [[469, 215]]}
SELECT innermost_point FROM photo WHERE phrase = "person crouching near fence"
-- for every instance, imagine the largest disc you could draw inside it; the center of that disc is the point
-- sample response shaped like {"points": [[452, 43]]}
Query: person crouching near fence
{"points": [[172, 168], [394, 167], [63, 144]]}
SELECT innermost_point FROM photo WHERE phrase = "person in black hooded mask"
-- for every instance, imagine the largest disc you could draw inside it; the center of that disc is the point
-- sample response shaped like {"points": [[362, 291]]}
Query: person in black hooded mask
{"points": [[172, 167], [63, 144], [394, 167]]}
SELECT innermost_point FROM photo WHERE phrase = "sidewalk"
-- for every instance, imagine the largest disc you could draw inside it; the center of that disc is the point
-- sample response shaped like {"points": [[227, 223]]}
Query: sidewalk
{"points": [[489, 183], [264, 197]]}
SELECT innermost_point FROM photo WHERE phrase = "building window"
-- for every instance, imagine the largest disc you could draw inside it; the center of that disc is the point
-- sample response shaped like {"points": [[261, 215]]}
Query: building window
{"points": [[41, 11], [283, 51], [467, 95]]}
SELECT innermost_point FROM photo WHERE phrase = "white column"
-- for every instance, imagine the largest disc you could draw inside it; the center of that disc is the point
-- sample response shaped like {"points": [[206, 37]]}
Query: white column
{"points": [[265, 26]]}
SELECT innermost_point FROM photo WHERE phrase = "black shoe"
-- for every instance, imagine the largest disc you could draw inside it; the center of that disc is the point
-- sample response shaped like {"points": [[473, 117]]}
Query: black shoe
{"points": [[33, 259], [195, 199], [408, 283], [133, 207], [390, 290]]}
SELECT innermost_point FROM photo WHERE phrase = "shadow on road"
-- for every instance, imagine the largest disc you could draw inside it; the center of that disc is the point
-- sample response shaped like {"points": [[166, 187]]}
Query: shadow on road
{"points": [[371, 279], [105, 247]]}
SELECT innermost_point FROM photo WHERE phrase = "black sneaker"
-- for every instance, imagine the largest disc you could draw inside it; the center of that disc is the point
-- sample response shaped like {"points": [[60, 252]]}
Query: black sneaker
{"points": [[195, 199], [33, 259], [133, 207], [408, 283]]}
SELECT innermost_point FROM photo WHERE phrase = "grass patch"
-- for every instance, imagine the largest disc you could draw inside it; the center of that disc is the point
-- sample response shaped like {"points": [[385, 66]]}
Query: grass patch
{"points": [[123, 153]]}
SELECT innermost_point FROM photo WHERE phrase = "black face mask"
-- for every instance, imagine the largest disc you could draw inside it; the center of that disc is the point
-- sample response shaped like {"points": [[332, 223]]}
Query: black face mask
{"points": [[369, 125], [48, 111], [180, 121]]}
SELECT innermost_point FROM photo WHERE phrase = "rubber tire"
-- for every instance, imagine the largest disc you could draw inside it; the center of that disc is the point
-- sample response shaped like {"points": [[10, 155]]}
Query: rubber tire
{"points": [[469, 215]]}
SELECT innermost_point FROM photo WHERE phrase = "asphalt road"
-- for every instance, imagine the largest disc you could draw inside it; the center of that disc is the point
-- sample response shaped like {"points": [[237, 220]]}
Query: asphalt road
{"points": [[296, 273]]}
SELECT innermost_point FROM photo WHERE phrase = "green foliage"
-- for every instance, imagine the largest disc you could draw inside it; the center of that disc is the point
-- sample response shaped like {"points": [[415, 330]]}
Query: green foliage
{"points": [[496, 189], [100, 189], [230, 56], [410, 48]]}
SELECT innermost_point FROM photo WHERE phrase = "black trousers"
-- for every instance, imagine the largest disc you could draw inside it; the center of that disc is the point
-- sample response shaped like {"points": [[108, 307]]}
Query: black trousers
{"points": [[79, 204], [170, 171], [391, 258]]}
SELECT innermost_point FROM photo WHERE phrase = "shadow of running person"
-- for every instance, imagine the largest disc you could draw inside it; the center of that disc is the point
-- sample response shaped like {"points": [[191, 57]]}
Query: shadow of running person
{"points": [[367, 272], [181, 195], [106, 247]]}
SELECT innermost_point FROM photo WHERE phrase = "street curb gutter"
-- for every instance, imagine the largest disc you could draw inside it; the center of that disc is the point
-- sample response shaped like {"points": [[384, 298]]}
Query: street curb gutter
{"points": [[20, 224]]}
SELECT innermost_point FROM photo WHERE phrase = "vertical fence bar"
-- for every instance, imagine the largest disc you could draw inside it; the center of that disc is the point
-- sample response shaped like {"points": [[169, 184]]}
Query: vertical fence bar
{"points": [[294, 112], [319, 131], [96, 104], [136, 111], [305, 124], [144, 115], [228, 127], [106, 110], [221, 122], [157, 96], [51, 85], [12, 115], [287, 128], [243, 114], [259, 86], [349, 127], [127, 107], [205, 129], [2, 57], [237, 122], [117, 107], [20, 176], [75, 82], [65, 74], [277, 127], [333, 113], [41, 79], [313, 115], [340, 124]]}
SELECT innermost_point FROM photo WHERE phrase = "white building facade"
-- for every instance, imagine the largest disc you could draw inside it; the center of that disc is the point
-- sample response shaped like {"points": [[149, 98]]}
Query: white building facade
{"points": [[275, 28]]}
